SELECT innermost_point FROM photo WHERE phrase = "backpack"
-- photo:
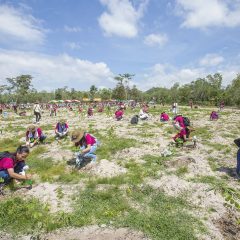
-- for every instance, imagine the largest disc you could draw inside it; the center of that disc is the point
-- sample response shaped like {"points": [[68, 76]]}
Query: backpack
{"points": [[186, 121], [6, 154], [237, 142], [134, 119]]}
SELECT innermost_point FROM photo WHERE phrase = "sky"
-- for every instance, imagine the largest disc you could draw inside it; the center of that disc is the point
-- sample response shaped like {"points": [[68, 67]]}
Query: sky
{"points": [[79, 43]]}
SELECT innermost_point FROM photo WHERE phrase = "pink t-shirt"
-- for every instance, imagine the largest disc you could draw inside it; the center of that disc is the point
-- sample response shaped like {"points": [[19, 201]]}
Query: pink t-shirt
{"points": [[179, 119], [164, 116], [6, 163], [90, 139], [118, 113]]}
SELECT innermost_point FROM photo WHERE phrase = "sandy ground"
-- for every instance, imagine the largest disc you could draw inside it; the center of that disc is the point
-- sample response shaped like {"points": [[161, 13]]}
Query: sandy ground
{"points": [[195, 160]]}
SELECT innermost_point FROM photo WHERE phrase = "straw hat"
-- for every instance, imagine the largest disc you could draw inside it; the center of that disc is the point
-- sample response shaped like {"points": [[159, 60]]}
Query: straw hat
{"points": [[31, 128], [77, 135], [62, 120]]}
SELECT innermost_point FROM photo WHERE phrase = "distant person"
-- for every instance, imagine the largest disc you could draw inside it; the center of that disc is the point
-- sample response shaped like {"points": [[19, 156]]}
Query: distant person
{"points": [[90, 111], [119, 114], [191, 103], [214, 116], [221, 106], [183, 135], [12, 164], [164, 117], [134, 119], [34, 135], [175, 108], [178, 122], [143, 113], [61, 129], [37, 111]]}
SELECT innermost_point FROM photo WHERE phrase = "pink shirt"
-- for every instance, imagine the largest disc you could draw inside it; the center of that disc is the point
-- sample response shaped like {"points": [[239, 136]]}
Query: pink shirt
{"points": [[90, 139], [6, 163], [164, 116], [179, 119], [118, 113]]}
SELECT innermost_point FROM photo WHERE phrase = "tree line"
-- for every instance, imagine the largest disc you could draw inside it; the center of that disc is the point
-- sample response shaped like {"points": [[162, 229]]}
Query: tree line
{"points": [[202, 91]]}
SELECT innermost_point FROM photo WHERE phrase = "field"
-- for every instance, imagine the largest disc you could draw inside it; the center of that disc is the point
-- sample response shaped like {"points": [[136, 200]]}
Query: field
{"points": [[133, 192]]}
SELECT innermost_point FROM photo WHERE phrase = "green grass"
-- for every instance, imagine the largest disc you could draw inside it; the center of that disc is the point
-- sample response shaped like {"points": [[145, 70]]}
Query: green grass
{"points": [[110, 146], [164, 218], [9, 144]]}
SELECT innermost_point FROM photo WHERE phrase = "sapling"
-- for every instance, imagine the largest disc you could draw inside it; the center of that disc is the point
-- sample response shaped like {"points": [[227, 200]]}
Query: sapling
{"points": [[23, 172]]}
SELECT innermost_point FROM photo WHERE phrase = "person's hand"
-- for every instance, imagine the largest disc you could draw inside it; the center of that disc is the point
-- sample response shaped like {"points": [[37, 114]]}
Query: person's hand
{"points": [[28, 176]]}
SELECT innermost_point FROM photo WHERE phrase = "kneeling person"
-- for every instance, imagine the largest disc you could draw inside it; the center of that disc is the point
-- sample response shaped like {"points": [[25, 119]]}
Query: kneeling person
{"points": [[12, 164], [61, 129], [34, 135], [87, 144]]}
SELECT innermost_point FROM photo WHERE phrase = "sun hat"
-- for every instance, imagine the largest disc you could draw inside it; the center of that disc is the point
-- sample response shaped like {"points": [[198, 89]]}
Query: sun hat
{"points": [[62, 120], [77, 135], [31, 128]]}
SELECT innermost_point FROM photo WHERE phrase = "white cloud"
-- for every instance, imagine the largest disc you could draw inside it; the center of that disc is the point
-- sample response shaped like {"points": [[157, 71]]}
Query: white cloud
{"points": [[19, 26], [209, 13], [122, 18], [51, 72], [73, 45], [163, 75], [211, 60], [72, 29], [156, 39]]}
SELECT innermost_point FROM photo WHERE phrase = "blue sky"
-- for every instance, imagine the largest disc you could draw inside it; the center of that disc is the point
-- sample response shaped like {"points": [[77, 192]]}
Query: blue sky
{"points": [[77, 43]]}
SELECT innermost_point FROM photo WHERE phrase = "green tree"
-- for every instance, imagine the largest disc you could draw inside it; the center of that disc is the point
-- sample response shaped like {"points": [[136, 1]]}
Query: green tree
{"points": [[92, 92]]}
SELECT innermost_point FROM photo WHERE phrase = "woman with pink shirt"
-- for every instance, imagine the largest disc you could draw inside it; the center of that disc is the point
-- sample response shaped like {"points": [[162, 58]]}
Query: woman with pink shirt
{"points": [[87, 143], [119, 114], [12, 164], [178, 122], [164, 117]]}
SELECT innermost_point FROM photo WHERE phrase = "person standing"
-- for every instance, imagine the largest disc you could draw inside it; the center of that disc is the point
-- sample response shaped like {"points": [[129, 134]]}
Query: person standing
{"points": [[37, 111]]}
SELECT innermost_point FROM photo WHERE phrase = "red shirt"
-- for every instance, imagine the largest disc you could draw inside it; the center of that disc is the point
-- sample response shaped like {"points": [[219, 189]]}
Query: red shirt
{"points": [[179, 119], [90, 139]]}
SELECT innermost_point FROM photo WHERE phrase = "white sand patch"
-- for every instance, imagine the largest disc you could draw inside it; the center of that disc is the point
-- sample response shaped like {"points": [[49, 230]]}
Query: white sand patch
{"points": [[106, 168], [95, 233], [57, 196]]}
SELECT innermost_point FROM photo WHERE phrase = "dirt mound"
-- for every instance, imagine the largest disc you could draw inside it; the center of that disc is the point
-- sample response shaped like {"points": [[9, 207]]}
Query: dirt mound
{"points": [[96, 233], [106, 168], [56, 195], [229, 227], [180, 162]]}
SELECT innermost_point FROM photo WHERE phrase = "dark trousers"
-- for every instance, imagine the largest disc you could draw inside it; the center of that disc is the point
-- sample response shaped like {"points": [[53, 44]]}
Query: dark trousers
{"points": [[38, 116], [17, 169], [238, 161]]}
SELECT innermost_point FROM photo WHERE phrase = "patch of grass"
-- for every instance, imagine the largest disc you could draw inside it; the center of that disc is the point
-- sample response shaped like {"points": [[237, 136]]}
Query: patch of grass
{"points": [[163, 215], [110, 146], [18, 216], [95, 207], [203, 132], [9, 144], [181, 171], [48, 127], [217, 146], [213, 163]]}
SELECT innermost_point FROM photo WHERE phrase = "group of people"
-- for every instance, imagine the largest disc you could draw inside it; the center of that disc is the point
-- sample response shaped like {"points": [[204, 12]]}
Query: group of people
{"points": [[12, 165]]}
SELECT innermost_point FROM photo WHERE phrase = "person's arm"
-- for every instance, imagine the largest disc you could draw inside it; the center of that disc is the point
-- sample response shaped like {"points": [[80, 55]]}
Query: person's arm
{"points": [[87, 149], [18, 176]]}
